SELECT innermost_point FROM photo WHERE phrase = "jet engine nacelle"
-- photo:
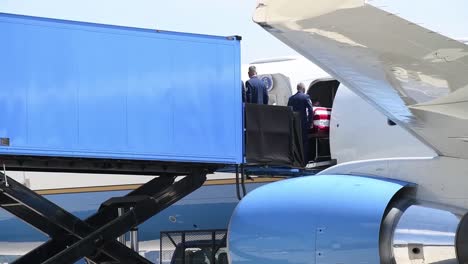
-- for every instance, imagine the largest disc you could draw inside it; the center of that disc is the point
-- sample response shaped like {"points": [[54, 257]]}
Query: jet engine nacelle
{"points": [[339, 219]]}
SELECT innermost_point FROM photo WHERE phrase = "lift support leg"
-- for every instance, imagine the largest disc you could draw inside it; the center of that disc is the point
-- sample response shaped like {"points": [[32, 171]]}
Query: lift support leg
{"points": [[95, 237]]}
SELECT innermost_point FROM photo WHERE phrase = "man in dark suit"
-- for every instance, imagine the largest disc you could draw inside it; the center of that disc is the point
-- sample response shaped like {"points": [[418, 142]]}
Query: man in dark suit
{"points": [[243, 92], [300, 102], [257, 92]]}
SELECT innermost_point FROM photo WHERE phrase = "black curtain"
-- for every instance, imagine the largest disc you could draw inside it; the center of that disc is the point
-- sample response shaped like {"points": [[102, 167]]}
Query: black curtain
{"points": [[273, 136]]}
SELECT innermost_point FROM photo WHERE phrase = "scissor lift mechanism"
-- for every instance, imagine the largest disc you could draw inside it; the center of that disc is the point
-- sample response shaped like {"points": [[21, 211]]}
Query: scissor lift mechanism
{"points": [[72, 239]]}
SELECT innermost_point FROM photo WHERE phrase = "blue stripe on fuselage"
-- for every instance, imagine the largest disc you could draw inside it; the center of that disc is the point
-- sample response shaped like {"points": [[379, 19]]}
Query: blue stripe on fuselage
{"points": [[210, 207]]}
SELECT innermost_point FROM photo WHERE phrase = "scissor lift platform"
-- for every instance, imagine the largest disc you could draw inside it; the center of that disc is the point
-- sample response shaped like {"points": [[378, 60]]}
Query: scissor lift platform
{"points": [[94, 238]]}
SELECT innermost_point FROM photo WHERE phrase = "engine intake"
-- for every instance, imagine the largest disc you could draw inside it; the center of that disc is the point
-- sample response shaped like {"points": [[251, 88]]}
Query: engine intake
{"points": [[419, 233]]}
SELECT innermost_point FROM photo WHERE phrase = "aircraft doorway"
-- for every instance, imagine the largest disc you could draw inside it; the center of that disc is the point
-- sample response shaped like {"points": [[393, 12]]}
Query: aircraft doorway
{"points": [[322, 94], [323, 91]]}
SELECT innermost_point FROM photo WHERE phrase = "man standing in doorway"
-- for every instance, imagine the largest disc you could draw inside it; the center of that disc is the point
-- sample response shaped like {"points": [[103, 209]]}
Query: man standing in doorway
{"points": [[257, 92], [300, 102]]}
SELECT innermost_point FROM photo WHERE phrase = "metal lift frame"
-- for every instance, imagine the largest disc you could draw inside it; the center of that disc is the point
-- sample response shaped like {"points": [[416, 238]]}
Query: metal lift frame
{"points": [[94, 238], [216, 244]]}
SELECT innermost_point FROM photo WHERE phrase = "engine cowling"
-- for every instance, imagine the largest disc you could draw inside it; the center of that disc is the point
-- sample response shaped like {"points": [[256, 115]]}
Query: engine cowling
{"points": [[338, 219]]}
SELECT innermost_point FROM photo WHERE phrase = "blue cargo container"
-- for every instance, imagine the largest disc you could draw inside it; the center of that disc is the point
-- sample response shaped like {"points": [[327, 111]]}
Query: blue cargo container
{"points": [[81, 90]]}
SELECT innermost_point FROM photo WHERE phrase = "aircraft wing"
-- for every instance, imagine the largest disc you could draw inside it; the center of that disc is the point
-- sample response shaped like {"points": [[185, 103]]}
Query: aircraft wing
{"points": [[417, 77]]}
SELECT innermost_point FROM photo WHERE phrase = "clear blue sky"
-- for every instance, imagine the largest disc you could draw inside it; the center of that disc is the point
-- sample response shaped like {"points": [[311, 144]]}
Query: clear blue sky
{"points": [[225, 17]]}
